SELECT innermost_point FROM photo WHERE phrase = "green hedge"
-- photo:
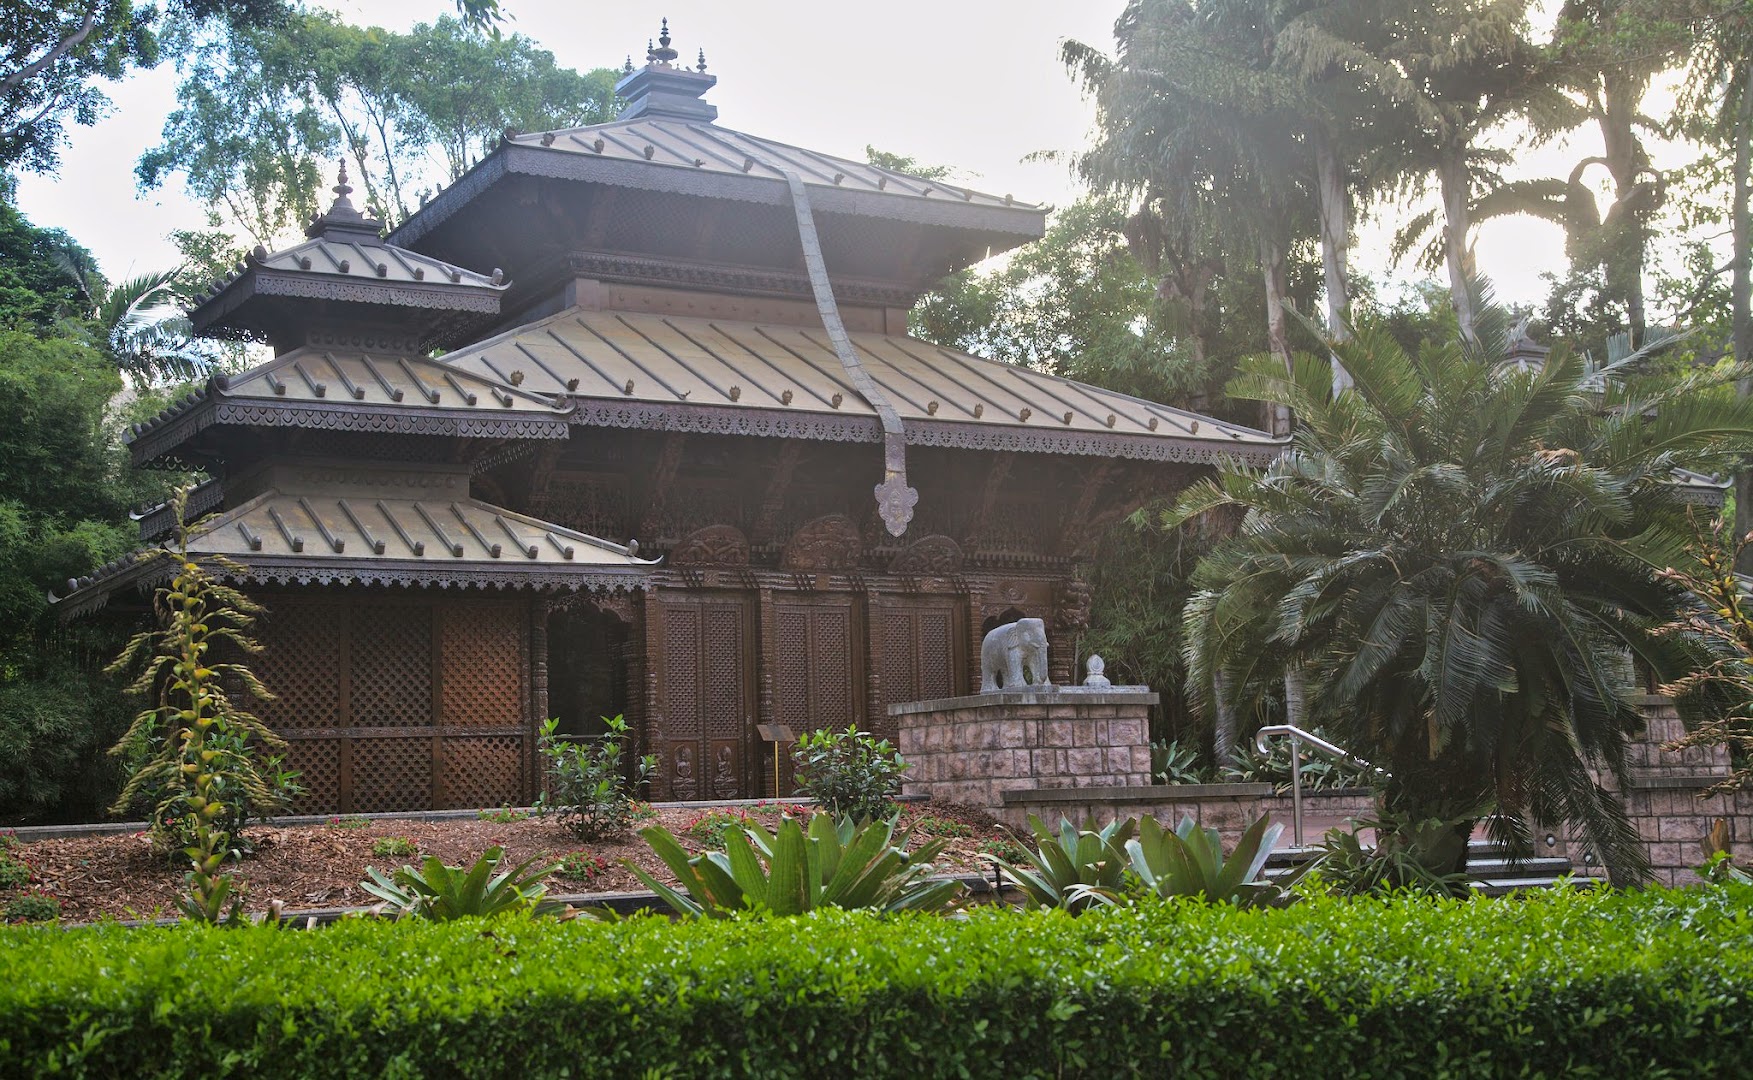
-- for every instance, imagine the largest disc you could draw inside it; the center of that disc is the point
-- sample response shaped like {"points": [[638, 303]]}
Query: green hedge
{"points": [[1586, 984]]}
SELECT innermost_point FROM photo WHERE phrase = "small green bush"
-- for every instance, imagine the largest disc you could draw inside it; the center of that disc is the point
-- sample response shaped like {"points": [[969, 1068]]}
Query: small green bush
{"points": [[586, 785], [849, 773], [709, 828], [349, 821], [33, 906], [14, 874], [394, 847], [580, 866], [438, 892], [502, 815], [1559, 984]]}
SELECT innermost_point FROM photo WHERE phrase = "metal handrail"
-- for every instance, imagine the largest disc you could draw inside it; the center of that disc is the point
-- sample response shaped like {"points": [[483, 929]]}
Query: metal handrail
{"points": [[1297, 737]]}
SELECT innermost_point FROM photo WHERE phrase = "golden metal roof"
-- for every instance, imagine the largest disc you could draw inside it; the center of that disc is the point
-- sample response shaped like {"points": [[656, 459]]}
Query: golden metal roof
{"points": [[709, 148], [321, 522], [351, 375], [647, 370]]}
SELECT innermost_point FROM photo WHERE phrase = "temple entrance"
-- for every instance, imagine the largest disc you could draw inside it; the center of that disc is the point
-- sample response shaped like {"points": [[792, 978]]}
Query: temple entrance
{"points": [[587, 669], [703, 741]]}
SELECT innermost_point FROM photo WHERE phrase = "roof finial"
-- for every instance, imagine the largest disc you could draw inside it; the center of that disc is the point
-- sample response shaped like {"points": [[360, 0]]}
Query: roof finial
{"points": [[342, 188], [663, 54], [627, 68], [701, 66]]}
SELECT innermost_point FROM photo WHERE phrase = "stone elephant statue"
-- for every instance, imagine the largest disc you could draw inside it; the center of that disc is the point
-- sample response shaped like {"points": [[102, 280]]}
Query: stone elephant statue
{"points": [[1007, 649]]}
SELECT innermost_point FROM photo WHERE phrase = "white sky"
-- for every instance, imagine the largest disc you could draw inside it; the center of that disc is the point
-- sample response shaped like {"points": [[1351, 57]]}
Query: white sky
{"points": [[975, 84]]}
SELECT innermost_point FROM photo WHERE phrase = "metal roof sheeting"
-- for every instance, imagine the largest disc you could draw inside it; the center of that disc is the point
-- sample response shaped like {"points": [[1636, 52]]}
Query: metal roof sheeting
{"points": [[682, 362], [709, 148]]}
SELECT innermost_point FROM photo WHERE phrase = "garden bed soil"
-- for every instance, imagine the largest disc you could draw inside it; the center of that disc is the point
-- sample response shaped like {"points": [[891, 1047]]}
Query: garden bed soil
{"points": [[321, 866]]}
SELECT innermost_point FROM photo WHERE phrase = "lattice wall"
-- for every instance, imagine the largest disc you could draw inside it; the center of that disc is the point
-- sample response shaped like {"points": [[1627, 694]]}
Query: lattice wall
{"points": [[918, 658], [392, 701], [706, 699]]}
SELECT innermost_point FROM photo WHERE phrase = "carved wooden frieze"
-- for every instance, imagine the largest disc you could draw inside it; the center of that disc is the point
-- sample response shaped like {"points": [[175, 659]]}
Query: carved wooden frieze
{"points": [[827, 543], [715, 545], [1071, 605], [932, 556]]}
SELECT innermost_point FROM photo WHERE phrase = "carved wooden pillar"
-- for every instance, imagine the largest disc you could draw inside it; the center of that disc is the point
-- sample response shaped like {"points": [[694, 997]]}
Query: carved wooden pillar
{"points": [[766, 657], [534, 780], [653, 733]]}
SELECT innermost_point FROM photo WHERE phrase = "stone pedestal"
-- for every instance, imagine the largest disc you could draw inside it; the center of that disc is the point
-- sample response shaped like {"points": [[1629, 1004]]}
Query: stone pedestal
{"points": [[972, 749]]}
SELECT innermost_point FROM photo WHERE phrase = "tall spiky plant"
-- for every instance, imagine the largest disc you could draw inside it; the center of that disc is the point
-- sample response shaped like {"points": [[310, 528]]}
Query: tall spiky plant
{"points": [[1467, 559], [200, 745]]}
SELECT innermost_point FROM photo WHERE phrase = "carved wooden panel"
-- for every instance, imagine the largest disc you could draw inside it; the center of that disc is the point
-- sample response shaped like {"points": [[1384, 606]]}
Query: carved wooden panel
{"points": [[304, 642], [706, 692], [391, 658], [480, 769], [391, 774], [815, 673], [483, 659], [593, 504], [318, 764], [918, 656], [393, 701]]}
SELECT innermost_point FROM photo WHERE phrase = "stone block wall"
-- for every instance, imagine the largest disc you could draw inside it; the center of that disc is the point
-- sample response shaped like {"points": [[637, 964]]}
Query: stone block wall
{"points": [[972, 749], [1662, 800], [1228, 808]]}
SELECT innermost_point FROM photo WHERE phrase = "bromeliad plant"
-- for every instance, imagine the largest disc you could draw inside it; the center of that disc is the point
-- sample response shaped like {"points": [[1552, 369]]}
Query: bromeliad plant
{"points": [[1072, 868], [788, 872], [198, 745], [439, 892], [1190, 862]]}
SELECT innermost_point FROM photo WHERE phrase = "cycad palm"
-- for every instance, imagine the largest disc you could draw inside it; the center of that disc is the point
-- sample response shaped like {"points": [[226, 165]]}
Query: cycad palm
{"points": [[1466, 558]]}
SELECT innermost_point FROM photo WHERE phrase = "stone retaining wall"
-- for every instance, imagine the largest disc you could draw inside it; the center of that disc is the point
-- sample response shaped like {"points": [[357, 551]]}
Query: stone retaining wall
{"points": [[973, 749], [1228, 808]]}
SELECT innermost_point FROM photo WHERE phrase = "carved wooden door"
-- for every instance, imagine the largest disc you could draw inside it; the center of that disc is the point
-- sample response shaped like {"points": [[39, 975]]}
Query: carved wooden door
{"points": [[917, 653], [708, 706], [816, 663]]}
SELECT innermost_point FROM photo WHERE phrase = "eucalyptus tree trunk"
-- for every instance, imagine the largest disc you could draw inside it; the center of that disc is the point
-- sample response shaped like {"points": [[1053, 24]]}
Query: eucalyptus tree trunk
{"points": [[1272, 258], [1629, 165], [1334, 200], [1458, 219]]}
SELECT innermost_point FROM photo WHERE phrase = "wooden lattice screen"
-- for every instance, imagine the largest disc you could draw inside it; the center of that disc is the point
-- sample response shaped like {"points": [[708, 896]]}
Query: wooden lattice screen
{"points": [[707, 704], [918, 656], [399, 702]]}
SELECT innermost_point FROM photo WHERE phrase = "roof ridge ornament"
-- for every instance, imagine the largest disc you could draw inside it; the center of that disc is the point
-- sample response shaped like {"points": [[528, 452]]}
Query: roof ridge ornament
{"points": [[663, 54], [342, 216]]}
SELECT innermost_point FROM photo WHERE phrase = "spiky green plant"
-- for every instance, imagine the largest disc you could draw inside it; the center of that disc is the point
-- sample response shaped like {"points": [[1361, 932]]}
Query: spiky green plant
{"points": [[1067, 865], [1189, 861], [197, 746], [438, 892], [788, 872]]}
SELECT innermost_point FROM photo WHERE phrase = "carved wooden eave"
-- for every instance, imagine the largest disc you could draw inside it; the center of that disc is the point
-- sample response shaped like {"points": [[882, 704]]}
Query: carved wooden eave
{"points": [[323, 523], [354, 384], [657, 372]]}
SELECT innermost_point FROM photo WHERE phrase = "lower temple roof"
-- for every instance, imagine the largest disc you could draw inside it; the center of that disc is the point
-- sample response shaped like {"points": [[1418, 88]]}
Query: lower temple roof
{"points": [[365, 536]]}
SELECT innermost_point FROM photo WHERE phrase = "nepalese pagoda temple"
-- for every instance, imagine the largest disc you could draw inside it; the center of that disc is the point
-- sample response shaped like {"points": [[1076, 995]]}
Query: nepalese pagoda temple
{"points": [[686, 339]]}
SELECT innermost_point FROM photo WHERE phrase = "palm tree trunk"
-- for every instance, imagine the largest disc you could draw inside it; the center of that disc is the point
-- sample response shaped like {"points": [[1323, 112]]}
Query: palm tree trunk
{"points": [[1627, 162], [1296, 695], [1457, 216], [1277, 340], [1223, 731], [1741, 289], [1334, 200]]}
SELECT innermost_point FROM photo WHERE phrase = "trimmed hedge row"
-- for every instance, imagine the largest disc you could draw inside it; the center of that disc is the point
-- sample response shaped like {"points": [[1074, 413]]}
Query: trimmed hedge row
{"points": [[1560, 984]]}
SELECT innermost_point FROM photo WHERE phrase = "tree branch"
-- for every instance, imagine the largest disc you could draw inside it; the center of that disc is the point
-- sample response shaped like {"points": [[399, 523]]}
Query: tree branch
{"points": [[54, 54]]}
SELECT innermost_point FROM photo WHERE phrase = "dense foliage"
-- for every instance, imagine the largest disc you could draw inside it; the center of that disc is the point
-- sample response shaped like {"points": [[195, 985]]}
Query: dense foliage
{"points": [[1560, 984], [1466, 559]]}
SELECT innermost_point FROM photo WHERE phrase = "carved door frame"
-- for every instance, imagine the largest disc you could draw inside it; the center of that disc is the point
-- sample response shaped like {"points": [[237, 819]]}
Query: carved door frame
{"points": [[803, 708], [699, 634]]}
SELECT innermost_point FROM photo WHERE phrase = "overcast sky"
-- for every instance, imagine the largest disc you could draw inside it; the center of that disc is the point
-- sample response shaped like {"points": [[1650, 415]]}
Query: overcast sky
{"points": [[975, 84]]}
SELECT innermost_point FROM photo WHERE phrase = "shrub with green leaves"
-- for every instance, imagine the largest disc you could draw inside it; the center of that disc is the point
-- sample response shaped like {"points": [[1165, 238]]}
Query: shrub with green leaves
{"points": [[787, 872], [32, 906], [1554, 984], [14, 874], [850, 773], [710, 828], [586, 783], [398, 847]]}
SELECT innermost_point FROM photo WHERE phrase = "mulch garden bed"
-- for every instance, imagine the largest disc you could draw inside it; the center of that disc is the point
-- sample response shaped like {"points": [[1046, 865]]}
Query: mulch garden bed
{"points": [[321, 866]]}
